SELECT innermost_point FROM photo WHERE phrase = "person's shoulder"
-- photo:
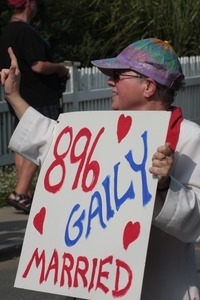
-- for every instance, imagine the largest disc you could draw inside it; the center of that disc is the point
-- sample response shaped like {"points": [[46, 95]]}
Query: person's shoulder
{"points": [[189, 140], [16, 27], [190, 124], [16, 24], [190, 128]]}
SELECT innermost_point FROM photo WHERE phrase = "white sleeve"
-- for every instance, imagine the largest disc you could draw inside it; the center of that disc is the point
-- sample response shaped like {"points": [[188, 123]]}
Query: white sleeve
{"points": [[180, 214], [33, 136]]}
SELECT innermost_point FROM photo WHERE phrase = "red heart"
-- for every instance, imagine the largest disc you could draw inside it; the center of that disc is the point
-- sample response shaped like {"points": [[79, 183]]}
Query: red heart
{"points": [[38, 220], [131, 233], [123, 127]]}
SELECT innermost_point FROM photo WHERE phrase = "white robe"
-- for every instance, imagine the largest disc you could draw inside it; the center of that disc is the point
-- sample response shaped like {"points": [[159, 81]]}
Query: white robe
{"points": [[170, 272]]}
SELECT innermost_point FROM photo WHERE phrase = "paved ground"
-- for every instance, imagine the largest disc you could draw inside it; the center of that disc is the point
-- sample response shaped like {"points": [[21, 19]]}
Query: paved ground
{"points": [[12, 229], [198, 258]]}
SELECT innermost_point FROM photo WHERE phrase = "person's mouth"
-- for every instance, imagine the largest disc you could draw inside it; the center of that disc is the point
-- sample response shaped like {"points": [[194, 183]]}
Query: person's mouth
{"points": [[114, 93]]}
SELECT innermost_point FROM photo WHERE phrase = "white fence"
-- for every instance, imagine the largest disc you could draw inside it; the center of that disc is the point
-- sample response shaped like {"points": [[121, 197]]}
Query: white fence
{"points": [[87, 90]]}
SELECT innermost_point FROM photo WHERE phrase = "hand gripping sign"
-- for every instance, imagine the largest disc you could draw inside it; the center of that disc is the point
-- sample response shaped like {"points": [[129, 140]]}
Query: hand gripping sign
{"points": [[89, 225]]}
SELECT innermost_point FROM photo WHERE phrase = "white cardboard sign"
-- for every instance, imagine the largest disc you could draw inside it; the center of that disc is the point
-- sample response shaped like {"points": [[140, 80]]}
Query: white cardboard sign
{"points": [[88, 230]]}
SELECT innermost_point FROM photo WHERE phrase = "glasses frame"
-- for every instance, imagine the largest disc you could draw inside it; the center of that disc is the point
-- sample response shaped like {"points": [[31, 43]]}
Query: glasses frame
{"points": [[116, 76]]}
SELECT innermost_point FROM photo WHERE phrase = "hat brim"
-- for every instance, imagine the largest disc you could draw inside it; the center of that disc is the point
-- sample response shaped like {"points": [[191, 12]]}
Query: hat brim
{"points": [[106, 66]]}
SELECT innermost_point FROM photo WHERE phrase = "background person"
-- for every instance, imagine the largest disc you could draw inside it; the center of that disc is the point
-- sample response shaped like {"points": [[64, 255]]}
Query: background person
{"points": [[144, 76], [40, 84]]}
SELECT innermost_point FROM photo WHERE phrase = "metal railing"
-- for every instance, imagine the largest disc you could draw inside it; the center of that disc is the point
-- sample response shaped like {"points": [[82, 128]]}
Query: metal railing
{"points": [[87, 90]]}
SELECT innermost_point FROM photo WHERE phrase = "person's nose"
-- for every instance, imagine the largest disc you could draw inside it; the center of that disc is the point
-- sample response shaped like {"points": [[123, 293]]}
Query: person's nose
{"points": [[110, 81]]}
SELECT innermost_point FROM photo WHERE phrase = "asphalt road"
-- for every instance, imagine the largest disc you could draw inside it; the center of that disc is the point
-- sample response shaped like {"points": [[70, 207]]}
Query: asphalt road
{"points": [[8, 270], [198, 258]]}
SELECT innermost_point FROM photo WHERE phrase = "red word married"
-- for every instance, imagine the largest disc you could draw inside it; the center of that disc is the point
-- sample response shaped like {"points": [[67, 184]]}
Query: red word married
{"points": [[81, 272]]}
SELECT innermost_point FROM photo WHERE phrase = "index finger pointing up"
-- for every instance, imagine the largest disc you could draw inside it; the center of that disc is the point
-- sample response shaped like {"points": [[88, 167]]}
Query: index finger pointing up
{"points": [[13, 58]]}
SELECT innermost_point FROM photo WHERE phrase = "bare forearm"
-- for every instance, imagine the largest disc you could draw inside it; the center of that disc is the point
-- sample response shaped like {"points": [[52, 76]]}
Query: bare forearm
{"points": [[47, 68], [18, 104]]}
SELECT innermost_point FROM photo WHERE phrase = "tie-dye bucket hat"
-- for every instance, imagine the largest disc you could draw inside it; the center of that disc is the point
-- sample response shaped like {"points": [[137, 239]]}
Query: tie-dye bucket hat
{"points": [[151, 57]]}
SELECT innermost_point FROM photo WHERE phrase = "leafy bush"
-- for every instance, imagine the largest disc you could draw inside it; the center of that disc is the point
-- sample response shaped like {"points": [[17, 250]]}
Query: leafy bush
{"points": [[82, 30], [8, 180]]}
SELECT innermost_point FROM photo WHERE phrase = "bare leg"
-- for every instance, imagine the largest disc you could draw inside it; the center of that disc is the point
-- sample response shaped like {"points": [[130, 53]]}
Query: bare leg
{"points": [[18, 159], [25, 173], [21, 197]]}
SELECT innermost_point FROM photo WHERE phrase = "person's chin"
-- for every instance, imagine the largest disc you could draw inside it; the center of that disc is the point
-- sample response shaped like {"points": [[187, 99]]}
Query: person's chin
{"points": [[115, 107]]}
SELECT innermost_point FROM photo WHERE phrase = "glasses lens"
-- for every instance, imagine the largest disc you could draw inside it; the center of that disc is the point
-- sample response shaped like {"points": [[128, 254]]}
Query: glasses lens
{"points": [[115, 75]]}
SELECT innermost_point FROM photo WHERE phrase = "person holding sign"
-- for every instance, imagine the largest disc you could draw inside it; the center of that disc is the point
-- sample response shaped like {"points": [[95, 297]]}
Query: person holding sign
{"points": [[146, 75]]}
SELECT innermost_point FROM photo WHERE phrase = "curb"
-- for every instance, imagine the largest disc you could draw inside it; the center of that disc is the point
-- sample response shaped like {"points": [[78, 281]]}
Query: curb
{"points": [[9, 252], [12, 229]]}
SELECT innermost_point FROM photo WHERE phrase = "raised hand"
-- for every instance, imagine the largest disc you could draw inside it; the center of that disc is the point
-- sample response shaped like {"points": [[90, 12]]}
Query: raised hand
{"points": [[10, 78]]}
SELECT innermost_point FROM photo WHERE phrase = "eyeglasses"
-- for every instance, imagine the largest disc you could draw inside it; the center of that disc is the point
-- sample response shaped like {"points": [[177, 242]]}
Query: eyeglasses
{"points": [[116, 76]]}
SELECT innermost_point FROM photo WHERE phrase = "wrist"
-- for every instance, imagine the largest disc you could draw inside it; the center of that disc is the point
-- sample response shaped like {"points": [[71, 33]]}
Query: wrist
{"points": [[18, 104]]}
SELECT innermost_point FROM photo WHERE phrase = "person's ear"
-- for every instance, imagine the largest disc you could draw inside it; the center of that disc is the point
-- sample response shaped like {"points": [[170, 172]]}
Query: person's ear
{"points": [[150, 88]]}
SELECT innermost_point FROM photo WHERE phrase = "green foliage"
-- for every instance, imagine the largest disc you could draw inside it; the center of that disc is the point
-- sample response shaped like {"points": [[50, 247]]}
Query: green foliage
{"points": [[127, 21], [82, 30], [8, 180], [4, 14]]}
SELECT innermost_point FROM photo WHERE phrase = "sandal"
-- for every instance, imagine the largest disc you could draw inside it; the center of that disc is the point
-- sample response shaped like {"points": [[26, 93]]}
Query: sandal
{"points": [[20, 202]]}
